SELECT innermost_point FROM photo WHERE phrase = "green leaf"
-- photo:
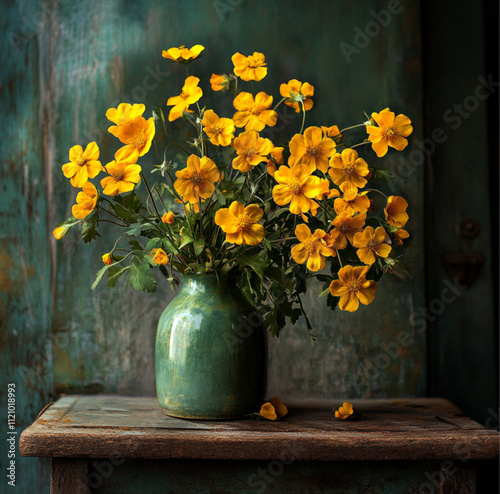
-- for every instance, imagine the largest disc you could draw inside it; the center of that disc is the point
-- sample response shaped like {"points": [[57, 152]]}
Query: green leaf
{"points": [[199, 245], [186, 239], [140, 276], [114, 272], [99, 276], [134, 230], [89, 231], [220, 198], [255, 262], [169, 246], [324, 293], [125, 214], [267, 244], [129, 201], [135, 244], [154, 243], [324, 278]]}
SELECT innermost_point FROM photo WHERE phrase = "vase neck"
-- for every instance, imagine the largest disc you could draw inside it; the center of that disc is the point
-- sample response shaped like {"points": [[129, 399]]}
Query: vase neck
{"points": [[201, 283]]}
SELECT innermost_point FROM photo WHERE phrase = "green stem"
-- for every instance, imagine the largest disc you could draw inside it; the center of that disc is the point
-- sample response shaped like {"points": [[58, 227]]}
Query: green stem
{"points": [[338, 257], [150, 194], [279, 103], [159, 197], [178, 145], [235, 84], [116, 243], [114, 215], [353, 127], [303, 116], [283, 239], [109, 221], [360, 144], [375, 190]]}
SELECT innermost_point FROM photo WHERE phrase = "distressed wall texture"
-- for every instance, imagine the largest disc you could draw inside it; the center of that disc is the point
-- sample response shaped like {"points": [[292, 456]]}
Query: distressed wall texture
{"points": [[67, 62]]}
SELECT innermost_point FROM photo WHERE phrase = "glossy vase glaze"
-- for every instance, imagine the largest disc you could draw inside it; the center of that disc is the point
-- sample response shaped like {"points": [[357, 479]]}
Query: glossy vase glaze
{"points": [[211, 352]]}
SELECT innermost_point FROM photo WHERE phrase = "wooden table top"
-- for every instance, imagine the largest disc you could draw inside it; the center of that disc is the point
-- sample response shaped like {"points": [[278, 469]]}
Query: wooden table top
{"points": [[135, 427]]}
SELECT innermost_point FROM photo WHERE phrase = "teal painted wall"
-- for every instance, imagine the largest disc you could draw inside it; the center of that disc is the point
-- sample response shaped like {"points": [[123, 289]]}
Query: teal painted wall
{"points": [[67, 62]]}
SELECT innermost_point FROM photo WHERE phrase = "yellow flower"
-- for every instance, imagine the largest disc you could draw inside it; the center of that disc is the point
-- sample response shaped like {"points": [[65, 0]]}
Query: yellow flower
{"points": [[268, 411], [60, 231], [348, 167], [296, 187], [137, 135], [168, 218], [311, 249], [107, 259], [254, 114], [345, 411], [353, 288], [274, 409], [123, 176], [196, 181], [190, 208], [159, 256], [220, 82], [312, 149], [240, 223], [295, 92], [332, 131], [190, 94], [277, 155], [251, 68], [391, 131], [82, 164], [182, 54], [351, 202], [395, 211], [279, 406], [371, 242], [122, 114], [251, 150], [85, 201], [345, 227], [401, 235], [220, 131], [325, 190]]}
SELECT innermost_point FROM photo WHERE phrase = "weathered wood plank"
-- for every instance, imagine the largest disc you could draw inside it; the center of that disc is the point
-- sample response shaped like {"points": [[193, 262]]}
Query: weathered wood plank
{"points": [[458, 479], [415, 414], [69, 475], [135, 428], [284, 476]]}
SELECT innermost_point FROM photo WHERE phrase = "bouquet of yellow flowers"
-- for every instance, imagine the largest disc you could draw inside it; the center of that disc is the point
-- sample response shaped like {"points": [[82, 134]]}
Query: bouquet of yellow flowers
{"points": [[233, 203]]}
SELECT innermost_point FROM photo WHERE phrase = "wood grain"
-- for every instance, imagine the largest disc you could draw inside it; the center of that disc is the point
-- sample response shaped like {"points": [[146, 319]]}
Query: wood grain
{"points": [[135, 427]]}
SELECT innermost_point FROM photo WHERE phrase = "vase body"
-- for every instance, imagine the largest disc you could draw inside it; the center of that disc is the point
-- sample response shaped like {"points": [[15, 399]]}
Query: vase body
{"points": [[211, 352]]}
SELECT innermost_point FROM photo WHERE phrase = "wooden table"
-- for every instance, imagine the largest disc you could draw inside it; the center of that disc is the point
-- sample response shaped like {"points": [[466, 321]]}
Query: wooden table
{"points": [[116, 444]]}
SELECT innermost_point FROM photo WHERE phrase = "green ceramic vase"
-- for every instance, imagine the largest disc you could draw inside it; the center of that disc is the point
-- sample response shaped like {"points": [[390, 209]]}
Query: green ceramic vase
{"points": [[211, 352]]}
